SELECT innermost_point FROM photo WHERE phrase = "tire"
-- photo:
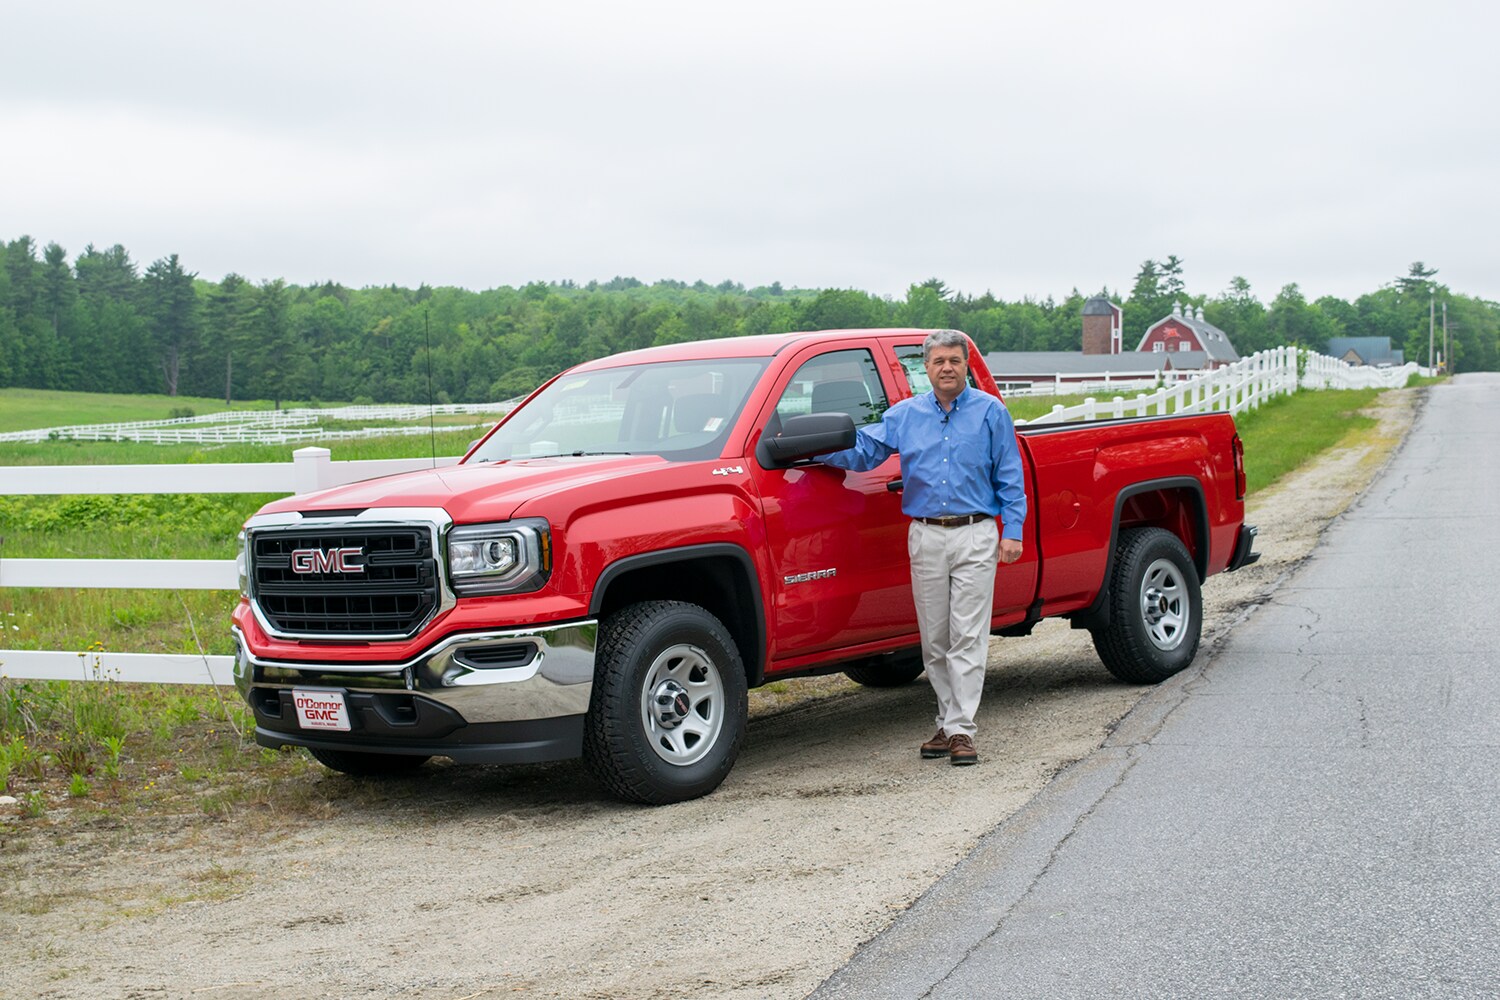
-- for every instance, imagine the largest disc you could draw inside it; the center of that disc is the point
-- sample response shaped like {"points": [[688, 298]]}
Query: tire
{"points": [[363, 764], [888, 670], [668, 711], [1155, 608]]}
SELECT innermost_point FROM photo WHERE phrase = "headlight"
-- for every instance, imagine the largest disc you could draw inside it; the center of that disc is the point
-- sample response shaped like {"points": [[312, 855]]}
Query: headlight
{"points": [[242, 564], [506, 558]]}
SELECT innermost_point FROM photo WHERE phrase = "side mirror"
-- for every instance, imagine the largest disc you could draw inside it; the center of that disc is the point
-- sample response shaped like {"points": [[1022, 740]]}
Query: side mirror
{"points": [[805, 436]]}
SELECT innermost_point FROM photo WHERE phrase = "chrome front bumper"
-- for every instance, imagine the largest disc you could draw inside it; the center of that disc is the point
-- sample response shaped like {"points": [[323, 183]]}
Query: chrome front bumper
{"points": [[506, 676]]}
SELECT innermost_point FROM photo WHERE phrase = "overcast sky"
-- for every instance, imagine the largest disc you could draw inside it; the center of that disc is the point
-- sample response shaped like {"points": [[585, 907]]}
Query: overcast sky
{"points": [[1024, 149]]}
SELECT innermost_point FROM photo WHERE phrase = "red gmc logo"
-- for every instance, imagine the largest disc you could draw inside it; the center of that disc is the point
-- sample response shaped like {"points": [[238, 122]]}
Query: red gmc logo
{"points": [[326, 561]]}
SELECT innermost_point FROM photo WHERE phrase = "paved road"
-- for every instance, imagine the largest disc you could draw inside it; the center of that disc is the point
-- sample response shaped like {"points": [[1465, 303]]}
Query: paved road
{"points": [[1314, 812]]}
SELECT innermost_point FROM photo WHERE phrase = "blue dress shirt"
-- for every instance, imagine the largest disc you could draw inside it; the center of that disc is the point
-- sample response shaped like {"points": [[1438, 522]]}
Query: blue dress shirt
{"points": [[965, 461]]}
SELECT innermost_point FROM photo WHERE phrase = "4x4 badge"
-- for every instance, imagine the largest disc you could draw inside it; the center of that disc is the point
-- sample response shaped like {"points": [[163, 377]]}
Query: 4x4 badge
{"points": [[729, 469]]}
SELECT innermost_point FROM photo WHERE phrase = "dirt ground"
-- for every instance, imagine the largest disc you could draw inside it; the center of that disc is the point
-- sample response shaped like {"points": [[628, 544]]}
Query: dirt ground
{"points": [[460, 883]]}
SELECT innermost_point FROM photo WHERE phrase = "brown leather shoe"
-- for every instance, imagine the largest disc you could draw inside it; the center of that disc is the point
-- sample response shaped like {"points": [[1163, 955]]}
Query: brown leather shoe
{"points": [[936, 747], [961, 751]]}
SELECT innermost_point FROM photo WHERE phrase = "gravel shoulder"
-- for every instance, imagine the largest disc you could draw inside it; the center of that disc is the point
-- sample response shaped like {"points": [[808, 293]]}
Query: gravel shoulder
{"points": [[461, 883]]}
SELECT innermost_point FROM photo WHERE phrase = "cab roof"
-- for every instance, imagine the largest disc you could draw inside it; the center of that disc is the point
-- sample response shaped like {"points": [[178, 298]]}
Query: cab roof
{"points": [[759, 346]]}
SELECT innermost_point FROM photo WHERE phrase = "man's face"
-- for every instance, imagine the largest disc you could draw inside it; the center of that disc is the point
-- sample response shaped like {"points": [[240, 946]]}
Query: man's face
{"points": [[947, 370]]}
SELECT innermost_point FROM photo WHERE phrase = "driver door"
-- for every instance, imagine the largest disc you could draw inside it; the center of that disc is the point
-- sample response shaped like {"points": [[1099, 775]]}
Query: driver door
{"points": [[837, 539]]}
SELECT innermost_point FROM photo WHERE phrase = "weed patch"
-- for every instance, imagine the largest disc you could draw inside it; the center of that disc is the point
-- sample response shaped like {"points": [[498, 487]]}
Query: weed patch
{"points": [[1289, 431]]}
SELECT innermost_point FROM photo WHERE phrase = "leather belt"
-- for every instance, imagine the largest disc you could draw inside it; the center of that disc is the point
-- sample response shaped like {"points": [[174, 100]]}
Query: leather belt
{"points": [[956, 521]]}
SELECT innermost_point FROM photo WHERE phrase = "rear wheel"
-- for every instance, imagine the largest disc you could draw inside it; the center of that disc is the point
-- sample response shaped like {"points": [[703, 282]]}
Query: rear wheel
{"points": [[1155, 608], [887, 670], [367, 764], [668, 711]]}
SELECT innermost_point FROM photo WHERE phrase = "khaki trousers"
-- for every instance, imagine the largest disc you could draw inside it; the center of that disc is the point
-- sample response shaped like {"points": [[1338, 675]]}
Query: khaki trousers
{"points": [[953, 584]]}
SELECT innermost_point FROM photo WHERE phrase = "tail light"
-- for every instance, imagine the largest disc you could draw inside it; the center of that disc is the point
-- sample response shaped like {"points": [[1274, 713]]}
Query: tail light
{"points": [[1239, 468]]}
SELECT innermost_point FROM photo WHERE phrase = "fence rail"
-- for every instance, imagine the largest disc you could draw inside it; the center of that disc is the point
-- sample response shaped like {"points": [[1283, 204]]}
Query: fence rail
{"points": [[310, 469], [1071, 385], [264, 426], [1236, 388], [132, 668]]}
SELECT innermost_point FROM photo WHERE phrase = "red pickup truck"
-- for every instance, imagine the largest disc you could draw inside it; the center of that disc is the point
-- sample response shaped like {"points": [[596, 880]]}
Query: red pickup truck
{"points": [[646, 537]]}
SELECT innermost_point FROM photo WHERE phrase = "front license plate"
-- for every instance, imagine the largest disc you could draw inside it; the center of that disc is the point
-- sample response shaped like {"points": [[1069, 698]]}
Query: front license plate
{"points": [[321, 709]]}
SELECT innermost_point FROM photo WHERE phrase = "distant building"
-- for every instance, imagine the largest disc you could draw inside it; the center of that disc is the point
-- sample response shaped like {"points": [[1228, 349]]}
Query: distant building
{"points": [[1371, 351], [1188, 331], [1071, 368], [1103, 325], [1195, 345]]}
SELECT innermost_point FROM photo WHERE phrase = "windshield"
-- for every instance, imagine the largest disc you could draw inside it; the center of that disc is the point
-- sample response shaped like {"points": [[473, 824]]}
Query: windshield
{"points": [[682, 411]]}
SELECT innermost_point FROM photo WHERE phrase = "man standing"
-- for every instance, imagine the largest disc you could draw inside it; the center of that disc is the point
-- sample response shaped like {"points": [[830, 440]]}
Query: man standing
{"points": [[960, 471]]}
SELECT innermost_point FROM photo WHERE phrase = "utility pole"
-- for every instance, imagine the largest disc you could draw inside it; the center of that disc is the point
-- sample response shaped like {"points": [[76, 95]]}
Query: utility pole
{"points": [[1431, 312], [1447, 348]]}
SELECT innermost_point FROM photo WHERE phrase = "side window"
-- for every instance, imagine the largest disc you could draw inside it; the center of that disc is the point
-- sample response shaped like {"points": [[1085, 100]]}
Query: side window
{"points": [[839, 382], [910, 356]]}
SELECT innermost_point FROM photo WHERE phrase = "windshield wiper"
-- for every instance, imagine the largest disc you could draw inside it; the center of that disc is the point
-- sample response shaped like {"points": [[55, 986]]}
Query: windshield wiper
{"points": [[581, 454]]}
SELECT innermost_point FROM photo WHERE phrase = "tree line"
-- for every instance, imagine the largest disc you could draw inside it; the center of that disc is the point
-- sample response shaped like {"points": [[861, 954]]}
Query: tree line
{"points": [[100, 323]]}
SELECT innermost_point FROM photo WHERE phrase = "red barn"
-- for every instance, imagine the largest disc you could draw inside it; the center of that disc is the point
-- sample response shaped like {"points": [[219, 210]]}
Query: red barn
{"points": [[1189, 331]]}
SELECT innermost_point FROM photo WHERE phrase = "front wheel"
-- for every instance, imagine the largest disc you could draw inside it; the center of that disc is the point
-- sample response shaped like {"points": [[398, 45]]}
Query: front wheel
{"points": [[668, 711], [1155, 608]]}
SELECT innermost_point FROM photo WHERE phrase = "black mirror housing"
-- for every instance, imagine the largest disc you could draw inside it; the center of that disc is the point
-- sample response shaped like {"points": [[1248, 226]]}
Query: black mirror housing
{"points": [[805, 436]]}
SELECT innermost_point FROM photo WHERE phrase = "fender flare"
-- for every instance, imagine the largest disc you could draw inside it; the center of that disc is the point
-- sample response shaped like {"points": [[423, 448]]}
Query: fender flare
{"points": [[1096, 615], [754, 659]]}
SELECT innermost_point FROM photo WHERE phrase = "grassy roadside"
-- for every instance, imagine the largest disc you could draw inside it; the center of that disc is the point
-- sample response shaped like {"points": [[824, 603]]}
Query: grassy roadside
{"points": [[86, 754], [1289, 431]]}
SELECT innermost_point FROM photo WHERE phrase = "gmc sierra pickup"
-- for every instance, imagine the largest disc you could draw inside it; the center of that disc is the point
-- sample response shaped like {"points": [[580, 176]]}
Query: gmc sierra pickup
{"points": [[646, 537]]}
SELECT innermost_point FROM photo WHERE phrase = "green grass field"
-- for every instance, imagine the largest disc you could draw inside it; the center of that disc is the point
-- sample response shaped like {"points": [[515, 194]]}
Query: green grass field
{"points": [[1279, 437], [29, 409], [445, 442]]}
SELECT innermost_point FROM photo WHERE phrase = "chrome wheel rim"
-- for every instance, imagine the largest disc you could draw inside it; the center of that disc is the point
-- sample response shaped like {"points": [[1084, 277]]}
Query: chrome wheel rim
{"points": [[682, 705], [1165, 609]]}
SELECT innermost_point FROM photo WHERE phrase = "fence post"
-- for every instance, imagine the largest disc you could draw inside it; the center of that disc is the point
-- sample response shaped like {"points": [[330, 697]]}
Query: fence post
{"points": [[312, 469]]}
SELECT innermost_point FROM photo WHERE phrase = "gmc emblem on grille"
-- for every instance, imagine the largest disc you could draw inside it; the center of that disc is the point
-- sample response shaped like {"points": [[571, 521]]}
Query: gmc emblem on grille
{"points": [[326, 561]]}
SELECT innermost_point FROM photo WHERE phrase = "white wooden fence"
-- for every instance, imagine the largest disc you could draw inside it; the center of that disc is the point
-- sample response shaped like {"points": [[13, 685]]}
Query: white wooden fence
{"points": [[1235, 388], [266, 426], [1071, 386], [1238, 387], [310, 469]]}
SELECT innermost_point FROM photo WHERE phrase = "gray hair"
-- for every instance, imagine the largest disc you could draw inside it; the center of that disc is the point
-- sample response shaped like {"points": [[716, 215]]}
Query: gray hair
{"points": [[944, 338]]}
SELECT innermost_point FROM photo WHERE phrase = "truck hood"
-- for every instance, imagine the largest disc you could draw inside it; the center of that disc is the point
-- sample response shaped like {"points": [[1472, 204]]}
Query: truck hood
{"points": [[471, 494]]}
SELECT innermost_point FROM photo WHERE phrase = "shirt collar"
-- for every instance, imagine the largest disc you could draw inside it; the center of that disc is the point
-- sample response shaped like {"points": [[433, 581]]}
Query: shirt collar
{"points": [[958, 400]]}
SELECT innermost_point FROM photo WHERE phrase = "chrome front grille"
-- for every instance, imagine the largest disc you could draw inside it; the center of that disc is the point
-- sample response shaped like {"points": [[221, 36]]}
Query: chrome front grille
{"points": [[384, 583]]}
